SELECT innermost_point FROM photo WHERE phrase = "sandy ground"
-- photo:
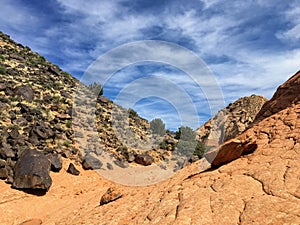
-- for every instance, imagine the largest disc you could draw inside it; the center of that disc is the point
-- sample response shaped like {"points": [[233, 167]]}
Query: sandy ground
{"points": [[67, 195]]}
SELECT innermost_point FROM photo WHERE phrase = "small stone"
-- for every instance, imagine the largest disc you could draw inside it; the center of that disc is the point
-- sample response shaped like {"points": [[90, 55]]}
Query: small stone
{"points": [[56, 162], [110, 196], [25, 91], [72, 170], [91, 162]]}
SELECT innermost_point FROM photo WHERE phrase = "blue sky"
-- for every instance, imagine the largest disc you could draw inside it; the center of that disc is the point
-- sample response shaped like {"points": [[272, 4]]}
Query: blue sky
{"points": [[250, 47]]}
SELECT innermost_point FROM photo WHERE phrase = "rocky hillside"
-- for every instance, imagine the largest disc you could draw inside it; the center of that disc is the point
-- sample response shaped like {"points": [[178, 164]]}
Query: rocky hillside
{"points": [[261, 184], [36, 99], [231, 121]]}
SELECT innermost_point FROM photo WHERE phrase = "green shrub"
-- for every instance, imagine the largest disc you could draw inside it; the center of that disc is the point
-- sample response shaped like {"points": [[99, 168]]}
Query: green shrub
{"points": [[69, 123], [163, 145], [157, 126], [132, 114], [2, 70], [200, 149], [185, 134], [67, 143]]}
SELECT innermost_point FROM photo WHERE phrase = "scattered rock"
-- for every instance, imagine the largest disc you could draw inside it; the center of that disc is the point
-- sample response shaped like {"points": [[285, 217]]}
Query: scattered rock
{"points": [[3, 173], [6, 151], [110, 196], [121, 163], [25, 91], [91, 162], [2, 86], [56, 162], [53, 70], [72, 170], [109, 166], [144, 159], [32, 171], [130, 156]]}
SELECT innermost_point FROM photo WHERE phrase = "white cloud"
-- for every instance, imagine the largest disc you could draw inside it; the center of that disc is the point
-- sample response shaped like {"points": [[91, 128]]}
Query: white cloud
{"points": [[293, 33]]}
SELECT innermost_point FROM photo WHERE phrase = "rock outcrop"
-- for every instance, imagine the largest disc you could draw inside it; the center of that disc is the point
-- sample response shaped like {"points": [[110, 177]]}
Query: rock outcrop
{"points": [[231, 121]]}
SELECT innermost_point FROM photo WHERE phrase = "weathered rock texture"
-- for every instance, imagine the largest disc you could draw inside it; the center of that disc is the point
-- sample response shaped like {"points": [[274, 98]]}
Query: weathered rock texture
{"points": [[231, 121], [262, 187]]}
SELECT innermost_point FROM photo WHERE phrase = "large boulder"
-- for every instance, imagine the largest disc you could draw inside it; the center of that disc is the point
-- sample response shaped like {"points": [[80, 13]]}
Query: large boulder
{"points": [[32, 171]]}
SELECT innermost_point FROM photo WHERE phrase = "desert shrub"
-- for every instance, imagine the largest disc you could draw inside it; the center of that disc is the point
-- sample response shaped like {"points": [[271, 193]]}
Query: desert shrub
{"points": [[163, 145], [188, 145], [132, 114], [185, 134], [69, 123], [199, 150], [157, 126], [2, 70]]}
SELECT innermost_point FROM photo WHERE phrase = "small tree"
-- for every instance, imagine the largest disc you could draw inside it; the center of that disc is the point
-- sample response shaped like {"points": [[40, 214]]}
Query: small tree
{"points": [[185, 134], [199, 150], [157, 126]]}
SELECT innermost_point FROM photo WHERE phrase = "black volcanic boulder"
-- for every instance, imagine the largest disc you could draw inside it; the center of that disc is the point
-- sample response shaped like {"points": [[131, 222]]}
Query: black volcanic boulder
{"points": [[144, 159], [3, 171], [90, 162], [32, 171]]}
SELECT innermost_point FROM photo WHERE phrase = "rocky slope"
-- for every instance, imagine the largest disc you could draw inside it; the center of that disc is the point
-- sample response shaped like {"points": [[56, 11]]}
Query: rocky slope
{"points": [[36, 99], [261, 187], [231, 121]]}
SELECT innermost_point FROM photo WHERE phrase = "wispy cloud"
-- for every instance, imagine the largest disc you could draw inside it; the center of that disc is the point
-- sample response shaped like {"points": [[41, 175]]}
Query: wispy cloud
{"points": [[251, 47]]}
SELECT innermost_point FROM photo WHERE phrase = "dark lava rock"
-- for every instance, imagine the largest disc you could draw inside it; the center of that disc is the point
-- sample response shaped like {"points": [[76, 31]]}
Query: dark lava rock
{"points": [[3, 173], [3, 170], [65, 94], [25, 91], [144, 159], [72, 170], [53, 70], [32, 171], [130, 156], [2, 163], [23, 108], [90, 162], [56, 162], [6, 151], [2, 86], [109, 166], [121, 163]]}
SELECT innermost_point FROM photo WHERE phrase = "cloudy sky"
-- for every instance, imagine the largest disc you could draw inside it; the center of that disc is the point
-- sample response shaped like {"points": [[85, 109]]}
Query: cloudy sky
{"points": [[246, 47]]}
